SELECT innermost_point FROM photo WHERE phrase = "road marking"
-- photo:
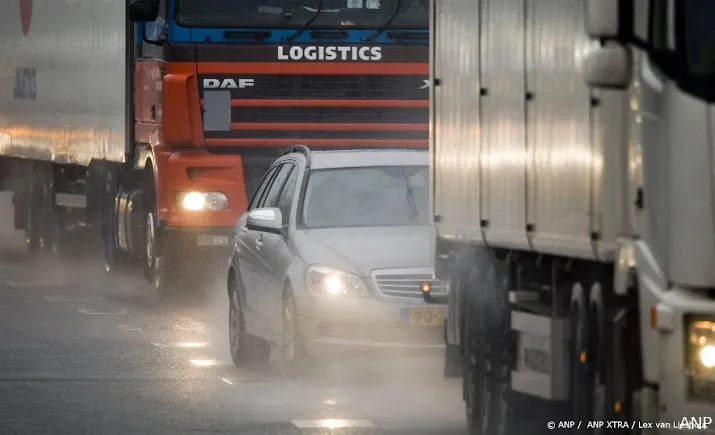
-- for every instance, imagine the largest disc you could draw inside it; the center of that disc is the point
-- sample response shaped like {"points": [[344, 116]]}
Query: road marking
{"points": [[182, 344], [208, 363], [76, 299], [130, 328], [150, 328], [227, 380], [26, 284], [331, 423], [10, 266], [92, 313]]}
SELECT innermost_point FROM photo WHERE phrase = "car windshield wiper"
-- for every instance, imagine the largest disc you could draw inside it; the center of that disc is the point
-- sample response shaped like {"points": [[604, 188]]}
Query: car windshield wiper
{"points": [[307, 24], [384, 27]]}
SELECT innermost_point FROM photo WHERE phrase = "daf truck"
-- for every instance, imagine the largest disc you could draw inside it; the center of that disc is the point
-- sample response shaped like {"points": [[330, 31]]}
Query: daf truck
{"points": [[149, 123], [572, 146]]}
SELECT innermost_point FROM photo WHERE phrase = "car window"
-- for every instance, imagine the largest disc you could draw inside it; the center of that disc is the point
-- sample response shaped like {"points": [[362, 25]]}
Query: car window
{"points": [[271, 197], [286, 198], [370, 196], [262, 188]]}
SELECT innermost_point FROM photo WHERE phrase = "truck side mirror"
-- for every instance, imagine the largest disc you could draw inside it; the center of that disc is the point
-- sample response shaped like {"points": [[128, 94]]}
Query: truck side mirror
{"points": [[609, 67], [143, 11], [604, 18]]}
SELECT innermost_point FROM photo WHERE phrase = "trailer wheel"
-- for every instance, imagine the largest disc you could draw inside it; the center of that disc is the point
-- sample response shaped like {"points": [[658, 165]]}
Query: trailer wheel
{"points": [[486, 353], [113, 258], [583, 358], [453, 358], [33, 227], [452, 361]]}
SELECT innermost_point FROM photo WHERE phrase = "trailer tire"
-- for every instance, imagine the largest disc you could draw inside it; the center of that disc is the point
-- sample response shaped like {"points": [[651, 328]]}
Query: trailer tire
{"points": [[114, 260], [486, 391], [453, 358], [33, 227], [453, 361], [583, 357]]}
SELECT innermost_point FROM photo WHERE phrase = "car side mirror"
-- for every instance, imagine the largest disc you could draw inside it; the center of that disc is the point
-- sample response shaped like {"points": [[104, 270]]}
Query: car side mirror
{"points": [[609, 67], [269, 219], [143, 11]]}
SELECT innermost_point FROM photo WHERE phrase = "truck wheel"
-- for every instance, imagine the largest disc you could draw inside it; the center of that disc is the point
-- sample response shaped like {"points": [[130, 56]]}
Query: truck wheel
{"points": [[584, 363], [34, 218], [484, 384], [236, 325], [158, 268], [452, 361], [114, 261], [453, 358], [492, 407]]}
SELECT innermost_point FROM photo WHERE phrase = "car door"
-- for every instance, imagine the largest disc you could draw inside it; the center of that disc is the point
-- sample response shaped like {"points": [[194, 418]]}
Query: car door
{"points": [[262, 244], [245, 252], [279, 254]]}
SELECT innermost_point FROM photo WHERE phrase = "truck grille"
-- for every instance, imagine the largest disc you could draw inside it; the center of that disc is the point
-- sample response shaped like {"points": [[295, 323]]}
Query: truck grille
{"points": [[332, 87], [365, 107], [405, 283]]}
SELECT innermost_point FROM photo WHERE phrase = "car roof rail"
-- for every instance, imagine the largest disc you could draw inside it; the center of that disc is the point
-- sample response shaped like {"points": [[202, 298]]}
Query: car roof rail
{"points": [[299, 149]]}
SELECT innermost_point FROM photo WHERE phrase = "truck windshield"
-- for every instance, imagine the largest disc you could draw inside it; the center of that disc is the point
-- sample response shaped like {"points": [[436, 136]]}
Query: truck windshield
{"points": [[414, 14], [366, 197], [700, 37]]}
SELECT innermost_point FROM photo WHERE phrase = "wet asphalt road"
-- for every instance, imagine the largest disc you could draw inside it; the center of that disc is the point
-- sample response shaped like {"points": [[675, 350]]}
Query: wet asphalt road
{"points": [[82, 353]]}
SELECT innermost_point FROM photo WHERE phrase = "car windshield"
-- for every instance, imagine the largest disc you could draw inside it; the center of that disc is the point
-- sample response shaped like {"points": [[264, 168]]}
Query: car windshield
{"points": [[362, 197], [293, 13], [700, 37]]}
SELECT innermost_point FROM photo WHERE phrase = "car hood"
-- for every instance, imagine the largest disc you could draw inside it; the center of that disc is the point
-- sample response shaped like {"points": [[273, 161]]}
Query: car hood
{"points": [[360, 250]]}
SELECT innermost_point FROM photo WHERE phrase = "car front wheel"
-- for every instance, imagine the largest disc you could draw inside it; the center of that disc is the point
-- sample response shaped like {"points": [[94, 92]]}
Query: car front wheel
{"points": [[236, 328]]}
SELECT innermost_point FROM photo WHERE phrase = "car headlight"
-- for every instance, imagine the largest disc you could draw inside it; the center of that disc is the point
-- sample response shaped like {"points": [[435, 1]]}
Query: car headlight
{"points": [[335, 282], [196, 201]]}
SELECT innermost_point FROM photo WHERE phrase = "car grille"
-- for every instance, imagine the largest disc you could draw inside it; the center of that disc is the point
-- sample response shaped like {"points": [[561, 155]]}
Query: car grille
{"points": [[406, 284]]}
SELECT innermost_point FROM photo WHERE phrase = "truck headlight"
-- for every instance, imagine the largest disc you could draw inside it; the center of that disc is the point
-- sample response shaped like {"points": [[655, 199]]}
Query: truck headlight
{"points": [[701, 358], [196, 201], [707, 356], [335, 282], [701, 340]]}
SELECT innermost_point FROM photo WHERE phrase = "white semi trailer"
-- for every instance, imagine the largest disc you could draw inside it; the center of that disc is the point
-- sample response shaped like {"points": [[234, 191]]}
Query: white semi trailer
{"points": [[573, 146]]}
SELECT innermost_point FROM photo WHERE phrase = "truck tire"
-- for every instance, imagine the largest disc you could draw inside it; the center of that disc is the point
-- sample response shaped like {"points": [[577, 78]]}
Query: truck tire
{"points": [[452, 361], [484, 390], [583, 358], [114, 260], [453, 358], [492, 407], [158, 267], [33, 226]]}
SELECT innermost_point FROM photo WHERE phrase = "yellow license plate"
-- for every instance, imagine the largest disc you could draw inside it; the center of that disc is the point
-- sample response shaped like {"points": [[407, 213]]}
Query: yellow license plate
{"points": [[427, 316]]}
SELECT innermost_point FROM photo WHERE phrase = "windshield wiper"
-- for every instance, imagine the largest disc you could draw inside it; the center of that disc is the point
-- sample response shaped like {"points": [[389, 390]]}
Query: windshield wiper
{"points": [[384, 27], [410, 197], [307, 24]]}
